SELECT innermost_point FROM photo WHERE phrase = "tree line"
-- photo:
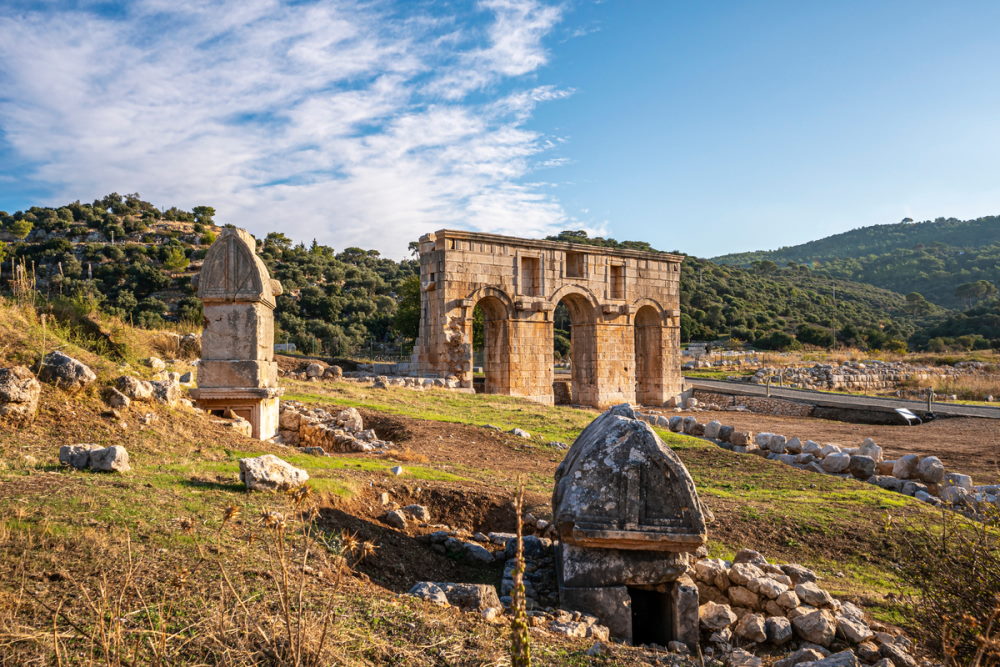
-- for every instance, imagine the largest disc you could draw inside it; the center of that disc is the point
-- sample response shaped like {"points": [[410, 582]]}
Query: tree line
{"points": [[124, 256]]}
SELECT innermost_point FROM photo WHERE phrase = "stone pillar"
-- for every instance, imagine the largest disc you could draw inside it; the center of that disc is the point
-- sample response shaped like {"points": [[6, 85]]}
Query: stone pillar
{"points": [[614, 367], [531, 357], [237, 371]]}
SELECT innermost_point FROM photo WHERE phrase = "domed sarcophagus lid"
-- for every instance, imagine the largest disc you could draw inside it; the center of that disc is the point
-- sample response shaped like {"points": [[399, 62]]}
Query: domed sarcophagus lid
{"points": [[621, 487], [232, 271]]}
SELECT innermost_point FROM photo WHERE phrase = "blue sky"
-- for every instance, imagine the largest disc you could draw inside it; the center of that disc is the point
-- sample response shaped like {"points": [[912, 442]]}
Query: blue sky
{"points": [[701, 127]]}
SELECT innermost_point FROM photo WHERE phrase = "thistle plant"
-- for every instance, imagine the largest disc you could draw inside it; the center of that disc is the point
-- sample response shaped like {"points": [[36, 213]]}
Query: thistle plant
{"points": [[520, 646]]}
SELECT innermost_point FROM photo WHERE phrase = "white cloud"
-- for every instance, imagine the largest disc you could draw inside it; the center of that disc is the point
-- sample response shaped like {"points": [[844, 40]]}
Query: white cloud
{"points": [[331, 120]]}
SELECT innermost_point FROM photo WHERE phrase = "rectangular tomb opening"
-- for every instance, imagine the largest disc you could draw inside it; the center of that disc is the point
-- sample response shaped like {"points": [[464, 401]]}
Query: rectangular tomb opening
{"points": [[652, 615]]}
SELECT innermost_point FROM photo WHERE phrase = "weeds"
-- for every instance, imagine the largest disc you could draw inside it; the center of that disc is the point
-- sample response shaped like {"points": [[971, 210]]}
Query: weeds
{"points": [[282, 610], [952, 571], [520, 643]]}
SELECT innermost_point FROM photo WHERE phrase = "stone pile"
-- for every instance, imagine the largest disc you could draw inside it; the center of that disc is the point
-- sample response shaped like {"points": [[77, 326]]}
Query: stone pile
{"points": [[125, 389], [482, 598], [316, 372], [750, 601], [321, 431], [923, 477], [479, 549], [540, 586]]}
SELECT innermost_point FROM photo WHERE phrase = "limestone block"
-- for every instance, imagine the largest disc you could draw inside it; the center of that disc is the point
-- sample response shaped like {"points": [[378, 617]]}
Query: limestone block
{"points": [[237, 373], [19, 394], [65, 372], [931, 470], [611, 604], [905, 467], [269, 473], [584, 567]]}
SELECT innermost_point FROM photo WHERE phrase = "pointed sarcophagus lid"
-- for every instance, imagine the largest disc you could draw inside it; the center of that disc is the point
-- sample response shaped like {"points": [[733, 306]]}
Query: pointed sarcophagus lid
{"points": [[232, 271], [621, 487]]}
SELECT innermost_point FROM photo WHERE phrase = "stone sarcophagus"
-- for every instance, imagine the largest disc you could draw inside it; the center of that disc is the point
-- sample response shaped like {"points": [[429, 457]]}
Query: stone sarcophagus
{"points": [[237, 372], [627, 514]]}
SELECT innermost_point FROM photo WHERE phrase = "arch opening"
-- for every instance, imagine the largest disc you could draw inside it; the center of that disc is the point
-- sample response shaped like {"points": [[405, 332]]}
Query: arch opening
{"points": [[491, 345], [648, 356], [575, 350]]}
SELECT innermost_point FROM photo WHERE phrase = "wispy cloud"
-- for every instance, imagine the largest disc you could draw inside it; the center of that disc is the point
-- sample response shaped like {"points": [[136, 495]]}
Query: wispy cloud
{"points": [[354, 123]]}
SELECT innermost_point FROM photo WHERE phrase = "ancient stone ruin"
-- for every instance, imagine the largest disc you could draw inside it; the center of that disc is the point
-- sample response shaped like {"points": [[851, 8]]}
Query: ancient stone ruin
{"points": [[237, 374], [628, 516], [624, 306]]}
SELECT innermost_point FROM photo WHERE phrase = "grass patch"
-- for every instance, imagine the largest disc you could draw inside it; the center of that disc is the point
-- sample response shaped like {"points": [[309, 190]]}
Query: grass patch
{"points": [[545, 423]]}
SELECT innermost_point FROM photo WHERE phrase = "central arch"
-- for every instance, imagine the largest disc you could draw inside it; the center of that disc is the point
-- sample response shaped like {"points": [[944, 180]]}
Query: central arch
{"points": [[583, 346], [648, 356]]}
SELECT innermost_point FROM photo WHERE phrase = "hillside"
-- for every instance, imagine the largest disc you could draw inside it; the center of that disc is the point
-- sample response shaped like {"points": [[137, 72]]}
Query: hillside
{"points": [[941, 259], [132, 260], [174, 562]]}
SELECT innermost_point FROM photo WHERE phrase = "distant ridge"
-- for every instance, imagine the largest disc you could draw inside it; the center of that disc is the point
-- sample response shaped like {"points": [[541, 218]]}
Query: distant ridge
{"points": [[933, 257]]}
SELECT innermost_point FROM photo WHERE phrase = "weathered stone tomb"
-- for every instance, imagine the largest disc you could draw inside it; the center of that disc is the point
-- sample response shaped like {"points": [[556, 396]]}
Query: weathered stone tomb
{"points": [[627, 515], [237, 372], [624, 306]]}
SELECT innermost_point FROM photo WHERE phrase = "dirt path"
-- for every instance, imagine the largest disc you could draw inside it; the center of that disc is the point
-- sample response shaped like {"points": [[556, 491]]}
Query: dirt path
{"points": [[970, 446]]}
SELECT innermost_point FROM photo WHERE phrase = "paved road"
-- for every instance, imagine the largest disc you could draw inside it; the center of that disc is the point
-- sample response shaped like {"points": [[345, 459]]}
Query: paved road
{"points": [[841, 400]]}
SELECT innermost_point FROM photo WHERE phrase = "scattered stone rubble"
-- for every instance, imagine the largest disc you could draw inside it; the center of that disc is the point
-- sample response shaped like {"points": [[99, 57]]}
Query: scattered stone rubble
{"points": [[94, 457], [923, 477], [743, 603], [126, 389], [319, 431], [483, 598], [317, 371]]}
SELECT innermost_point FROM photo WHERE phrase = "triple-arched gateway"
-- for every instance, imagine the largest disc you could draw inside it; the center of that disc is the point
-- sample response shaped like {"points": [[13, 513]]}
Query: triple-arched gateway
{"points": [[624, 308]]}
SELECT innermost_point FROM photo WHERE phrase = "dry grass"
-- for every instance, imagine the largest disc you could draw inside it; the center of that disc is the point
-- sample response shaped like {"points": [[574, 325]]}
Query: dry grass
{"points": [[407, 455], [263, 589], [839, 356], [953, 572], [966, 387]]}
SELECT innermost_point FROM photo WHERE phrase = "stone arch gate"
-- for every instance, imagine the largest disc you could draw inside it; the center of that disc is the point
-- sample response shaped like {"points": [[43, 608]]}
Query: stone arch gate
{"points": [[624, 306]]}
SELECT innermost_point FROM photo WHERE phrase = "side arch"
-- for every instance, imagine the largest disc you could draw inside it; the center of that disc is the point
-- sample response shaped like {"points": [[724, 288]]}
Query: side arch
{"points": [[639, 304], [497, 309], [650, 360], [478, 294]]}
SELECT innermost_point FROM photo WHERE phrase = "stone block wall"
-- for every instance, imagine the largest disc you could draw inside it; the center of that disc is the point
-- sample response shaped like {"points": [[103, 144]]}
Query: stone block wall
{"points": [[518, 283]]}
